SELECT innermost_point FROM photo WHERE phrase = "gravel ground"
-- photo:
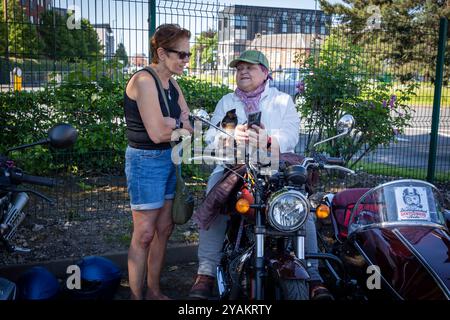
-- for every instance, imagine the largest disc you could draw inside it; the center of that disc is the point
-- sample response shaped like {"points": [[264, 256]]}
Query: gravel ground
{"points": [[176, 281], [78, 230]]}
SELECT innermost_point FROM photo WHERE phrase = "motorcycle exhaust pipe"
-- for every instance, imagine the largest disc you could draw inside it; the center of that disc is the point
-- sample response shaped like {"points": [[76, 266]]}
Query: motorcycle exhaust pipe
{"points": [[15, 215]]}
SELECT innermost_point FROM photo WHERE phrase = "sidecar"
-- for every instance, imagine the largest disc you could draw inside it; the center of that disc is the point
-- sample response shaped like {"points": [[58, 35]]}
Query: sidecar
{"points": [[394, 240]]}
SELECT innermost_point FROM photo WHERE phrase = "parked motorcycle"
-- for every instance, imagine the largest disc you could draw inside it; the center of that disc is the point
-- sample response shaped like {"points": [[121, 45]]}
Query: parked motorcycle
{"points": [[264, 251], [393, 240], [14, 198]]}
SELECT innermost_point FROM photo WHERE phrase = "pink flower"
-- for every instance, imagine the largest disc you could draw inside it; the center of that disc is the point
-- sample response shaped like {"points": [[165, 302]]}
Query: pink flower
{"points": [[301, 87]]}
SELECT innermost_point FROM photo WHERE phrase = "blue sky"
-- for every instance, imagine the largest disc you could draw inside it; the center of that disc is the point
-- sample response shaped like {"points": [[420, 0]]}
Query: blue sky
{"points": [[129, 18], [299, 4]]}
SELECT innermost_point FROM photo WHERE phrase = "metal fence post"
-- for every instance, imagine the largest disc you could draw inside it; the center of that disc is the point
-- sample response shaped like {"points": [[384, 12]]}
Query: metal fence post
{"points": [[5, 16], [151, 25], [437, 99]]}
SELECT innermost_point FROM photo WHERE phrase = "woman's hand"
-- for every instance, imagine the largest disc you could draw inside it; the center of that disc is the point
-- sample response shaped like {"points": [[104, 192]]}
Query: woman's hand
{"points": [[178, 134], [170, 122], [184, 115], [257, 133], [184, 118]]}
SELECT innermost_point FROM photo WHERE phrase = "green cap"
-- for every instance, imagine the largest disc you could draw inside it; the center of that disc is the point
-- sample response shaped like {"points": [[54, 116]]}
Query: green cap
{"points": [[253, 57]]}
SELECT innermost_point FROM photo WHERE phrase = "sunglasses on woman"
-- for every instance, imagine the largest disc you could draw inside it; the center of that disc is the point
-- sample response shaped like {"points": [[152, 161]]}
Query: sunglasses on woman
{"points": [[181, 54]]}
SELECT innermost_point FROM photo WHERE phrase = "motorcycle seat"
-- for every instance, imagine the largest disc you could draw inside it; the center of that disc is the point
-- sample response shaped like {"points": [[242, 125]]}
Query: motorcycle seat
{"points": [[342, 205]]}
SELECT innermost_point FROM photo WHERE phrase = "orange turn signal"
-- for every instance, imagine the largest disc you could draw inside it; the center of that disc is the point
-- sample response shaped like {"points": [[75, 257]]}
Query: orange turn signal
{"points": [[242, 206], [322, 211]]}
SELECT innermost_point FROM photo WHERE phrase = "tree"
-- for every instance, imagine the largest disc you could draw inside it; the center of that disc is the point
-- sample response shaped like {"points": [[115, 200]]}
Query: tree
{"points": [[62, 43], [204, 52], [94, 48], [56, 36], [121, 54], [407, 33], [23, 40]]}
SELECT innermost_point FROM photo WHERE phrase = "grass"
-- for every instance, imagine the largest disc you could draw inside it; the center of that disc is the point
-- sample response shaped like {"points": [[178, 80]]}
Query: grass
{"points": [[215, 79], [395, 171], [425, 96]]}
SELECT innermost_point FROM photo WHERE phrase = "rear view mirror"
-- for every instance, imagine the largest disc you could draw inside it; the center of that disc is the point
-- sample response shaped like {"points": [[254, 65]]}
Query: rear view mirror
{"points": [[344, 127], [62, 136], [345, 124]]}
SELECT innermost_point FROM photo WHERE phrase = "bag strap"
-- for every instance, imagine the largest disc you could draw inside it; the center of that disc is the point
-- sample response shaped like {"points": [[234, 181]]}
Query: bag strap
{"points": [[159, 87], [178, 171]]}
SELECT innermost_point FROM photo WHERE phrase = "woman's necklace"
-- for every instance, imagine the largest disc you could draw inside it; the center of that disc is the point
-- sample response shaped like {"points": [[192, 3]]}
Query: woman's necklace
{"points": [[168, 94]]}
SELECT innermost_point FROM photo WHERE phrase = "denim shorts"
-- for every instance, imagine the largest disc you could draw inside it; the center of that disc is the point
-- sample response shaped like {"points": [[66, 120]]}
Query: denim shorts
{"points": [[151, 177]]}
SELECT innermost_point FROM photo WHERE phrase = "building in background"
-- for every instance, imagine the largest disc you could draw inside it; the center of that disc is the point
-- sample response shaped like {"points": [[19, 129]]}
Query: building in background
{"points": [[139, 60], [106, 38], [62, 11], [34, 8], [273, 28], [282, 56]]}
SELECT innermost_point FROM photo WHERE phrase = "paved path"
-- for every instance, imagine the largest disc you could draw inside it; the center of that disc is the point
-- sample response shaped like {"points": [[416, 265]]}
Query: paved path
{"points": [[412, 148]]}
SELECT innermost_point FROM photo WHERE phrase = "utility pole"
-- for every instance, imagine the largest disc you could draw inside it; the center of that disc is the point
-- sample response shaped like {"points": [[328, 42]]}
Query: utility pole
{"points": [[5, 17]]}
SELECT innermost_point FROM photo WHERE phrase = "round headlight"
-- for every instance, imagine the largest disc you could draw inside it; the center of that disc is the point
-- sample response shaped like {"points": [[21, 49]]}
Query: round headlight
{"points": [[288, 210]]}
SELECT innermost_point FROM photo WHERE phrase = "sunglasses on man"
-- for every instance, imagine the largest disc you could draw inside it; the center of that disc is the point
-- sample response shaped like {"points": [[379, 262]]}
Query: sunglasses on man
{"points": [[181, 54]]}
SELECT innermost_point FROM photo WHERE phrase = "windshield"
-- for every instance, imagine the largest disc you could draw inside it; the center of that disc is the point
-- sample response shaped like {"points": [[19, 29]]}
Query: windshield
{"points": [[400, 202]]}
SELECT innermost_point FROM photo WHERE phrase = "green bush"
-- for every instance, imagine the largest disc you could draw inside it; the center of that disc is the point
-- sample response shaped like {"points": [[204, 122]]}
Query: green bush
{"points": [[341, 82], [201, 94], [94, 108]]}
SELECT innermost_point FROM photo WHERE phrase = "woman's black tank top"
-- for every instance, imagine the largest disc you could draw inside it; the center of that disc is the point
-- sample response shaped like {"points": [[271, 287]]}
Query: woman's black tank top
{"points": [[136, 133]]}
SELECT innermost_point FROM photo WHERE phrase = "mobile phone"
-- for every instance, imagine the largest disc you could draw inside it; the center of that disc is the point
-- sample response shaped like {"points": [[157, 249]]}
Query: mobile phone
{"points": [[254, 119]]}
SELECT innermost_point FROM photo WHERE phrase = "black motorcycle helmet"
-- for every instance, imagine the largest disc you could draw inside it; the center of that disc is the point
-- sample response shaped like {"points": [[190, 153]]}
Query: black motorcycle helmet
{"points": [[100, 278]]}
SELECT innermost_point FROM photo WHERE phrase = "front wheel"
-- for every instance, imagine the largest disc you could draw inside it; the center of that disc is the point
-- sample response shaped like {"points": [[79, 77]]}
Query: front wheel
{"points": [[294, 289]]}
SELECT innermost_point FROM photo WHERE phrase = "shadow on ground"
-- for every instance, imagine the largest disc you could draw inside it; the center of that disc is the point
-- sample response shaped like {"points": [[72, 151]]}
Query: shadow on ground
{"points": [[176, 281]]}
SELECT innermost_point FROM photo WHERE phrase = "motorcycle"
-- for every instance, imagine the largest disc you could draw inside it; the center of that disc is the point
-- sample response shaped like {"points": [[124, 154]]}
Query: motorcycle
{"points": [[264, 250], [13, 198], [393, 240]]}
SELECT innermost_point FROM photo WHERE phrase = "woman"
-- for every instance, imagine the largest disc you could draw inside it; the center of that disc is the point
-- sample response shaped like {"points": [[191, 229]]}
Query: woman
{"points": [[149, 169], [279, 126]]}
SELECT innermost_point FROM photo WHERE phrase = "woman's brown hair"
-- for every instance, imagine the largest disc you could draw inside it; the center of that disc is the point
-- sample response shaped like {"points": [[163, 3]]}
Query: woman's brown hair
{"points": [[166, 36]]}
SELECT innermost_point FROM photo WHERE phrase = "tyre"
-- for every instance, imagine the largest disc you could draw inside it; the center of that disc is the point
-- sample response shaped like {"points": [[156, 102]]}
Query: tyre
{"points": [[294, 289]]}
